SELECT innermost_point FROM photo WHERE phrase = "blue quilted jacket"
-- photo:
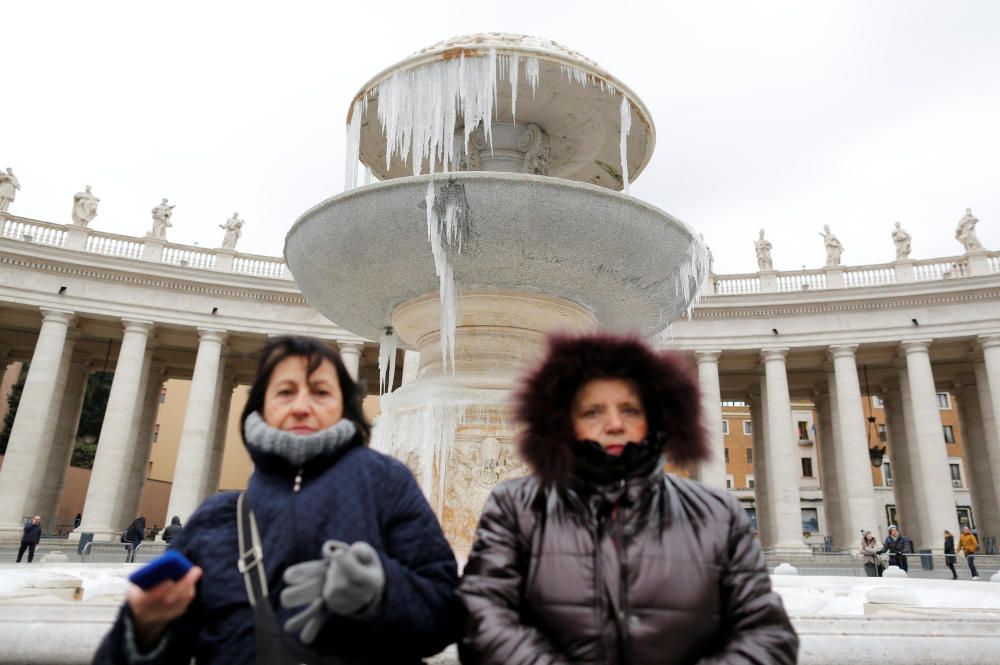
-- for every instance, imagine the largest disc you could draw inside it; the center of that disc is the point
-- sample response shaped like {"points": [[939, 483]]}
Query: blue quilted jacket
{"points": [[358, 495]]}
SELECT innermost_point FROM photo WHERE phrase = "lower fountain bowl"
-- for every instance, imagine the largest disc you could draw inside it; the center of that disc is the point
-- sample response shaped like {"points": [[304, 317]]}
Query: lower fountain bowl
{"points": [[358, 255]]}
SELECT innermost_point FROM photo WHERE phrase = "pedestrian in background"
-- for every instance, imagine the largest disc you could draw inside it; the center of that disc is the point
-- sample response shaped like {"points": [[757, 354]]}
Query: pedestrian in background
{"points": [[134, 534], [172, 530], [32, 534], [968, 545], [897, 545], [949, 553], [870, 556]]}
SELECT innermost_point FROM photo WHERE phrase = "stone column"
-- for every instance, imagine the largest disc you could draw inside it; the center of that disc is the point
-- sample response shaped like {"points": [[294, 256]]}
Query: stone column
{"points": [[899, 422], [758, 430], [196, 435], [214, 462], [713, 471], [350, 353], [935, 498], [64, 439], [29, 447], [982, 482], [828, 450], [853, 463], [782, 456], [106, 490], [988, 382], [143, 439], [133, 466]]}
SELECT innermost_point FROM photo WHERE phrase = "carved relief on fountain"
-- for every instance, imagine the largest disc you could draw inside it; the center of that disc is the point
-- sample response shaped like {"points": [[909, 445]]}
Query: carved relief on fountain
{"points": [[475, 466]]}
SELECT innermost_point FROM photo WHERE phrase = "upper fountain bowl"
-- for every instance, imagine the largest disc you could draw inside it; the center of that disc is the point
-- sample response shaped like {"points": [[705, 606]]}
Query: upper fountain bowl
{"points": [[501, 79]]}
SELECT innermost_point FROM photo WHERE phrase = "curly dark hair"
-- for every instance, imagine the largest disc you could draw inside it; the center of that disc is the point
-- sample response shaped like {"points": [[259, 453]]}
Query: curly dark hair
{"points": [[666, 383], [316, 352]]}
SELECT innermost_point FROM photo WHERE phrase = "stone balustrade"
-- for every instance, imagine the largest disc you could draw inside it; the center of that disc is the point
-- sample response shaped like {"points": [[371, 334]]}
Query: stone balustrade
{"points": [[141, 249]]}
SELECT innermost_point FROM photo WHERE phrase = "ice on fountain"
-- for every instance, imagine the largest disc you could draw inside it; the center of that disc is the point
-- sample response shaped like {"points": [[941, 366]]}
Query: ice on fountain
{"points": [[354, 143], [531, 73], [514, 77], [448, 226], [387, 345], [423, 438], [626, 125]]}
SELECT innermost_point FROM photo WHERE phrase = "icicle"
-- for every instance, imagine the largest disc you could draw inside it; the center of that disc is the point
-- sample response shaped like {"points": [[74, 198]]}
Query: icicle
{"points": [[447, 228], [531, 72], [626, 124], [387, 345], [353, 145], [515, 61]]}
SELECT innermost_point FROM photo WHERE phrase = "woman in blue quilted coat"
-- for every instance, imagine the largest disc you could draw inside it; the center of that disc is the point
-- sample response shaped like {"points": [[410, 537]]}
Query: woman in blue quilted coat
{"points": [[349, 564]]}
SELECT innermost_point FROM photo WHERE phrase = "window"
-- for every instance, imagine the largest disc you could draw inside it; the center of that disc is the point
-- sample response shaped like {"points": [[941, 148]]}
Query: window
{"points": [[890, 514], [944, 401], [807, 467], [749, 455], [727, 455], [803, 430], [949, 433], [883, 433], [729, 482], [747, 428], [734, 403], [156, 432], [752, 514], [750, 481], [965, 517], [956, 475], [887, 474], [725, 427], [877, 402], [163, 394], [810, 520]]}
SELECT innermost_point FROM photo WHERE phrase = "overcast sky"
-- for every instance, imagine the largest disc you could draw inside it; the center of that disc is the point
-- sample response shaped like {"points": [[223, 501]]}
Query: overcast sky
{"points": [[782, 115]]}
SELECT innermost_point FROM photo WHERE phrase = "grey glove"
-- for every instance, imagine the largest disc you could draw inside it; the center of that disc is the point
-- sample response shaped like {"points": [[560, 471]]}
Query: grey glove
{"points": [[347, 581]]}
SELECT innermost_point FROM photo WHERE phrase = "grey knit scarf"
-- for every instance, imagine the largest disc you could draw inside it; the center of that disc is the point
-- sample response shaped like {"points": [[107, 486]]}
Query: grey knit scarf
{"points": [[296, 449]]}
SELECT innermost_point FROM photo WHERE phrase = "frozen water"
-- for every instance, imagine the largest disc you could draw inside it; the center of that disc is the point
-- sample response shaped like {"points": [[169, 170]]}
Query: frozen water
{"points": [[354, 143], [626, 125], [387, 345], [531, 73], [448, 226]]}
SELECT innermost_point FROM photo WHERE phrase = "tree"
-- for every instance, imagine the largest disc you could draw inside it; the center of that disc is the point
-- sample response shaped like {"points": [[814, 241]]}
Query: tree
{"points": [[95, 402], [12, 401]]}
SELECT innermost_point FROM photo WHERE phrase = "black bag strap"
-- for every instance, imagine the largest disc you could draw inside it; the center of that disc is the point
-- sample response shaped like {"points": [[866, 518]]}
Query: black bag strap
{"points": [[251, 559]]}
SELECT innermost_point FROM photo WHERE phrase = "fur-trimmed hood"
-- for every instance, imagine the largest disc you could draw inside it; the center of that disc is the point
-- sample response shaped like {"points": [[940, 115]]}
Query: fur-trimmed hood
{"points": [[666, 382]]}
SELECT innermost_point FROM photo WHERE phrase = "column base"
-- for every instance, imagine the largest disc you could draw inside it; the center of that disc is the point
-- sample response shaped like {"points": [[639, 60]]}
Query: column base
{"points": [[100, 535]]}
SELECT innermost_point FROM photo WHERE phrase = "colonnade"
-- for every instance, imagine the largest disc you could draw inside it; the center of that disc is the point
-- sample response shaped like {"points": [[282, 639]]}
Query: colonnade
{"points": [[922, 484], [42, 439]]}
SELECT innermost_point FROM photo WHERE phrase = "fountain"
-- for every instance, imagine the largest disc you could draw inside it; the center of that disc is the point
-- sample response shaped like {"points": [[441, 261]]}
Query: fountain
{"points": [[499, 216]]}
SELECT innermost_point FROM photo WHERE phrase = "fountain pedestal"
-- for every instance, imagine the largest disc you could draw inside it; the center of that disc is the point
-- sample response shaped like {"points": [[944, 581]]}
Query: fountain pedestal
{"points": [[453, 428]]}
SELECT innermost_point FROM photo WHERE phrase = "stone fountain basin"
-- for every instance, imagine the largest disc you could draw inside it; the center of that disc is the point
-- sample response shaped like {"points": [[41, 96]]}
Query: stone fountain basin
{"points": [[358, 255]]}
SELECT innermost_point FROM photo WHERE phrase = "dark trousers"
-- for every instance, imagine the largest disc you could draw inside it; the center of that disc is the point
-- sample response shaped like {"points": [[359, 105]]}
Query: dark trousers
{"points": [[950, 562], [971, 560], [31, 551], [898, 560]]}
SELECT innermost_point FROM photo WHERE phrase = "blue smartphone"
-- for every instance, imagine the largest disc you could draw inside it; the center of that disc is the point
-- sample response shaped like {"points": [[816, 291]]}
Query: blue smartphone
{"points": [[171, 565]]}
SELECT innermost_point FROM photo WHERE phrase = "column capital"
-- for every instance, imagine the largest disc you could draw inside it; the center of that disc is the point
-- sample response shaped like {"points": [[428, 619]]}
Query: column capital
{"points": [[64, 316], [212, 334], [351, 346], [915, 345], [843, 351], [708, 355], [137, 325], [774, 354], [991, 341]]}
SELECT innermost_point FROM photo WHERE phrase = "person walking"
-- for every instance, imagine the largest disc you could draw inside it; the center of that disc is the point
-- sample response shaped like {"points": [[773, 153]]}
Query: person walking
{"points": [[331, 555], [968, 545], [949, 553], [870, 555], [172, 530], [134, 535], [30, 538], [599, 557], [897, 546]]}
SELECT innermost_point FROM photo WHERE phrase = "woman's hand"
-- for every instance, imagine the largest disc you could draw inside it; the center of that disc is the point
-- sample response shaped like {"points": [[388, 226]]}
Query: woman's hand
{"points": [[154, 609]]}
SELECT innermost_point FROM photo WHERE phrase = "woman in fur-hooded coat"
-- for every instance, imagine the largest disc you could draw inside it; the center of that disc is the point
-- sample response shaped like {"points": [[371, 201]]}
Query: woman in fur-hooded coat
{"points": [[601, 557]]}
